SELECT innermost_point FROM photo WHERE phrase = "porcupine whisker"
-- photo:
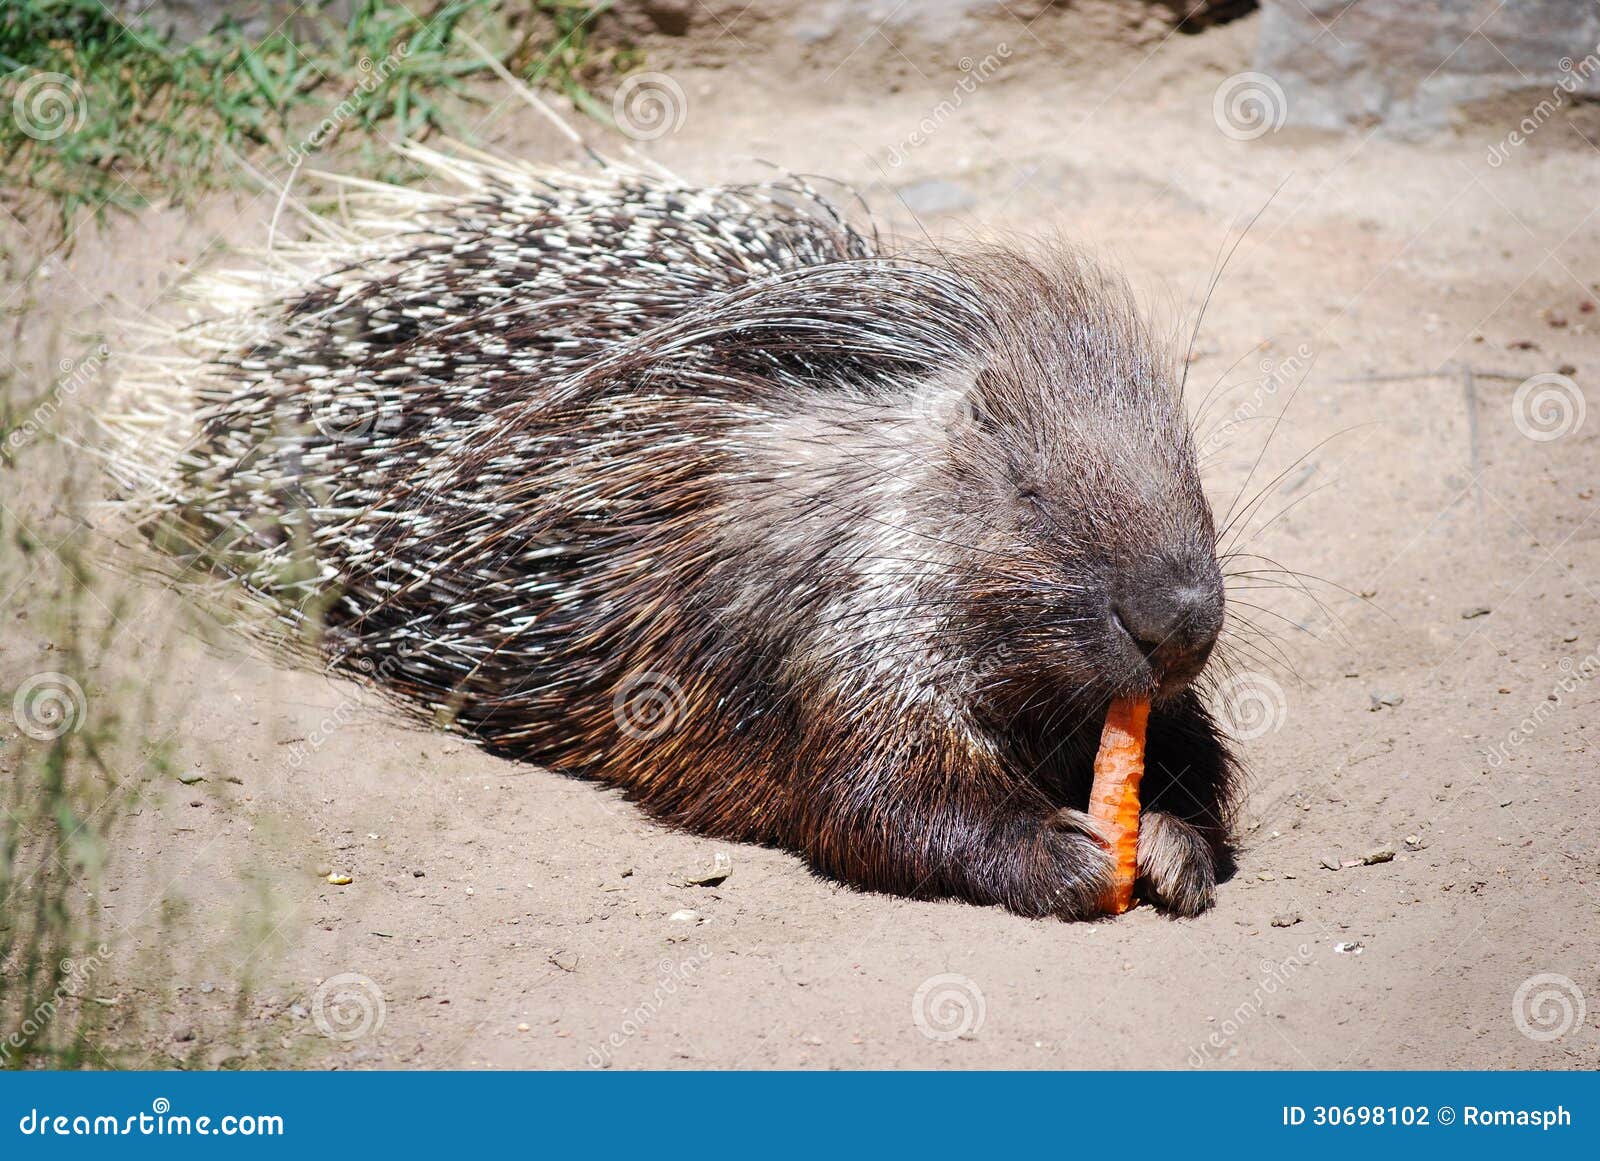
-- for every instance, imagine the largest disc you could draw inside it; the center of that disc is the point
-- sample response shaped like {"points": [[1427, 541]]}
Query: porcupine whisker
{"points": [[1243, 514], [1214, 392], [1262, 654], [1219, 268], [1301, 580], [1228, 516], [1275, 615]]}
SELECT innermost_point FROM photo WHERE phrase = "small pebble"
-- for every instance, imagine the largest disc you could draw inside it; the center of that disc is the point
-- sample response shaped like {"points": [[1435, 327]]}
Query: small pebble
{"points": [[721, 868], [1347, 948], [1381, 855], [1266, 876], [1475, 611], [1330, 862], [1286, 919], [684, 917], [522, 1027], [339, 879]]}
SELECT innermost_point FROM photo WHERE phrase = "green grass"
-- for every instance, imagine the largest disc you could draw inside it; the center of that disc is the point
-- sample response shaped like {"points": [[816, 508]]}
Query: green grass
{"points": [[96, 114]]}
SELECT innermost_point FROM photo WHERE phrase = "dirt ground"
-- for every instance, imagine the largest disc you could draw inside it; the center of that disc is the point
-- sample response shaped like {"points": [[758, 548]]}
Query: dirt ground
{"points": [[1388, 299]]}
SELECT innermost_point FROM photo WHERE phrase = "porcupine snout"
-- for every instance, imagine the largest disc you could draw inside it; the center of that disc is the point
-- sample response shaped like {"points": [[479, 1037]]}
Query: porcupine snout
{"points": [[1168, 610]]}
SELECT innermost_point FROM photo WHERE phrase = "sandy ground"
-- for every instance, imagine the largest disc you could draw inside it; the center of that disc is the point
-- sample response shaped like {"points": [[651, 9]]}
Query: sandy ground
{"points": [[502, 916]]}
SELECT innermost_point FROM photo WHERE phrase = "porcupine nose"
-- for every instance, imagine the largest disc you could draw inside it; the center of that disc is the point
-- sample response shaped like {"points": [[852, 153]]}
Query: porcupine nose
{"points": [[1171, 612]]}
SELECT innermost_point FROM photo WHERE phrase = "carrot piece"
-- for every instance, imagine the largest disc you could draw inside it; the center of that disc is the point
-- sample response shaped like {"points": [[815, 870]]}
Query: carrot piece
{"points": [[1114, 797]]}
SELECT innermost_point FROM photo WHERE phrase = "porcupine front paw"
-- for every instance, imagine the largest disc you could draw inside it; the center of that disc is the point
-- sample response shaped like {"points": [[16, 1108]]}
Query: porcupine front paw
{"points": [[1177, 867], [1078, 868]]}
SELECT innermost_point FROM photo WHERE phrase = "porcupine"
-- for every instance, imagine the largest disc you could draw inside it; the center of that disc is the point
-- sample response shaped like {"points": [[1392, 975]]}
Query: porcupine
{"points": [[797, 538]]}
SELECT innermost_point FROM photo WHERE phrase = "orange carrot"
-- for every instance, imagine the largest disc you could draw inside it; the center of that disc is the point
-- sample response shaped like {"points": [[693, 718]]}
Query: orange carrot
{"points": [[1114, 797]]}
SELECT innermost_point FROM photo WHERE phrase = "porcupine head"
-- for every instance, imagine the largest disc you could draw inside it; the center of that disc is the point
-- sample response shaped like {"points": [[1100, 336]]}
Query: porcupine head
{"points": [[1064, 498]]}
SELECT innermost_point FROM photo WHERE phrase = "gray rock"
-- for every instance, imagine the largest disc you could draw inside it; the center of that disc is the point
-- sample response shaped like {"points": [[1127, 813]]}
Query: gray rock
{"points": [[1408, 64]]}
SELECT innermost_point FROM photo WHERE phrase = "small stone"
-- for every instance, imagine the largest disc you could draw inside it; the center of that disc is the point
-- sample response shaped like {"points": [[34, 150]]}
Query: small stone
{"points": [[935, 196], [1381, 855], [207, 987], [1266, 876], [1350, 948], [523, 1027], [1413, 840], [684, 916], [1330, 862], [1475, 611], [1381, 699], [339, 879], [721, 868], [191, 778], [419, 874], [470, 891], [1286, 919]]}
